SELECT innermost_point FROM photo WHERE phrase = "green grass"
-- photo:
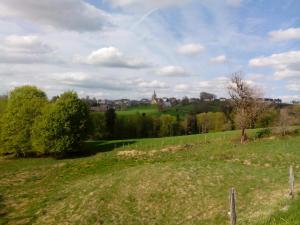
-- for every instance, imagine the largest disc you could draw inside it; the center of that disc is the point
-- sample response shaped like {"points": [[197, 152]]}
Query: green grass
{"points": [[148, 109], [173, 180], [179, 109]]}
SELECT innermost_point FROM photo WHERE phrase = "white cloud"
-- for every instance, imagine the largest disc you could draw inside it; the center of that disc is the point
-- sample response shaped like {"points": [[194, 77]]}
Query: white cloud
{"points": [[286, 73], [155, 84], [113, 57], [276, 60], [181, 88], [286, 65], [25, 44], [219, 59], [71, 78], [191, 49], [217, 86], [25, 49], [88, 81], [67, 14], [293, 87], [283, 35], [172, 71]]}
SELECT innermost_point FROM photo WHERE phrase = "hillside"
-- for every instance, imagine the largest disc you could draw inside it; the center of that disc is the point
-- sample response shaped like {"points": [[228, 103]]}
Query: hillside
{"points": [[181, 110], [175, 180]]}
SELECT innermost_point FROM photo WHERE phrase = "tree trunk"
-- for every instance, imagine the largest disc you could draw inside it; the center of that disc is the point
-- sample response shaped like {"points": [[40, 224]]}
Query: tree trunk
{"points": [[244, 136]]}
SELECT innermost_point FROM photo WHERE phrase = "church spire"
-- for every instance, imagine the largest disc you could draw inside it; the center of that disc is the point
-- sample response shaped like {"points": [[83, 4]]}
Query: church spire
{"points": [[154, 98]]}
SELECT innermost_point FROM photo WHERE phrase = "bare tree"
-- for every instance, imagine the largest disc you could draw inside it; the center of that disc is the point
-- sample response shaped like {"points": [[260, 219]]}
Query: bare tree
{"points": [[286, 119], [247, 102]]}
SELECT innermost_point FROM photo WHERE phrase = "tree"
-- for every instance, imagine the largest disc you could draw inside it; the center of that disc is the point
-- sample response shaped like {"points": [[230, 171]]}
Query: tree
{"points": [[268, 118], [191, 123], [284, 121], [110, 120], [203, 122], [167, 125], [24, 105], [211, 121], [96, 126], [228, 109], [61, 128], [247, 103], [3, 104]]}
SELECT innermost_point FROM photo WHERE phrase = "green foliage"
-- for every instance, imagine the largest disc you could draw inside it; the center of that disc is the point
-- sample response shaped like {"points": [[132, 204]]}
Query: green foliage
{"points": [[110, 120], [24, 105], [3, 105], [268, 118], [62, 126], [134, 126], [263, 133], [212, 121], [168, 124], [96, 126]]}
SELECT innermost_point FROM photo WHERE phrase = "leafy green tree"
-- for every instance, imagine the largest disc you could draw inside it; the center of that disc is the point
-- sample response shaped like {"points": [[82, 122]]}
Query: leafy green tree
{"points": [[211, 121], [3, 104], [203, 122], [219, 121], [24, 105], [96, 126], [167, 125], [61, 128], [268, 118]]}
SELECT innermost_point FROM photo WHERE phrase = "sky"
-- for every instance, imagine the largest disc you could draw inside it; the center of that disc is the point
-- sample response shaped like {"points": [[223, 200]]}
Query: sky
{"points": [[128, 48]]}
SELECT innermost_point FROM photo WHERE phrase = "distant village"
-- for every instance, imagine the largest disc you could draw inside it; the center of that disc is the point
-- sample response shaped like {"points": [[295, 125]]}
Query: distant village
{"points": [[102, 105]]}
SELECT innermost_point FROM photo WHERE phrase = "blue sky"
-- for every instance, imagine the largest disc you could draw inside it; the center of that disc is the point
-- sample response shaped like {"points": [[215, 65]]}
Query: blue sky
{"points": [[127, 48]]}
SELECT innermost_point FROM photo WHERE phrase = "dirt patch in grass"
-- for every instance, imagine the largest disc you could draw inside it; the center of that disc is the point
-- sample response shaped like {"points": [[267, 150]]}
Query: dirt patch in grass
{"points": [[137, 153]]}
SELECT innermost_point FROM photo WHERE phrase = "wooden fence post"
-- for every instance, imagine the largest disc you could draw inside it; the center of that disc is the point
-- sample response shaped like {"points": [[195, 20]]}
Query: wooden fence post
{"points": [[232, 202], [292, 182]]}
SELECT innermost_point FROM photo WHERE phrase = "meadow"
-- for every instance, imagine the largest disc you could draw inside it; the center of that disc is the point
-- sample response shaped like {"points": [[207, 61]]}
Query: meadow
{"points": [[148, 109], [172, 180]]}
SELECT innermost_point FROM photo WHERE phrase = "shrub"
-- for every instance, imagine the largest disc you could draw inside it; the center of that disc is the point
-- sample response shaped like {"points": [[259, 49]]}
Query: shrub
{"points": [[263, 133], [24, 104], [62, 126]]}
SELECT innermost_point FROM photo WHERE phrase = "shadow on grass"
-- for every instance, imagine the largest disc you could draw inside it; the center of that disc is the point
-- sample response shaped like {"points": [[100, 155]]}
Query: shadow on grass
{"points": [[90, 148]]}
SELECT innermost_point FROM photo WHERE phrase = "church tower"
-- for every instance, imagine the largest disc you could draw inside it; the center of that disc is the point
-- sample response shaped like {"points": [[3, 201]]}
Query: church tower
{"points": [[154, 99]]}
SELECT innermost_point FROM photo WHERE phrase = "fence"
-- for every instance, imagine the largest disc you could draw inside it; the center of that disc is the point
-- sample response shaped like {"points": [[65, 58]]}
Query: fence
{"points": [[232, 197]]}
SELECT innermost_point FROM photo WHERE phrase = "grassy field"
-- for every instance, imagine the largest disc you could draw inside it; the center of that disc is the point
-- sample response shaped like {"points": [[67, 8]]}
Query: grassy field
{"points": [[148, 109], [175, 180]]}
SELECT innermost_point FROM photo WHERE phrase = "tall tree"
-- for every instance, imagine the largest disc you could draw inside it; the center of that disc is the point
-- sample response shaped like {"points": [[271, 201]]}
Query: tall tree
{"points": [[62, 126], [23, 107], [247, 102]]}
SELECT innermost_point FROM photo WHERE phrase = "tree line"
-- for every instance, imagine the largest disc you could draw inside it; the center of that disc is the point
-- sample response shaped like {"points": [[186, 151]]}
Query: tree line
{"points": [[30, 124]]}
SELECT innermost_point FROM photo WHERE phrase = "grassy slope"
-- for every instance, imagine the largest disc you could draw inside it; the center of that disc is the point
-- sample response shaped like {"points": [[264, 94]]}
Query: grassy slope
{"points": [[148, 109], [180, 110], [161, 182]]}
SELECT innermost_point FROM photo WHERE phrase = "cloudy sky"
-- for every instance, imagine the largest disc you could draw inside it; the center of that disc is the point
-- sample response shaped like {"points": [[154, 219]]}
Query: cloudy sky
{"points": [[127, 48]]}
